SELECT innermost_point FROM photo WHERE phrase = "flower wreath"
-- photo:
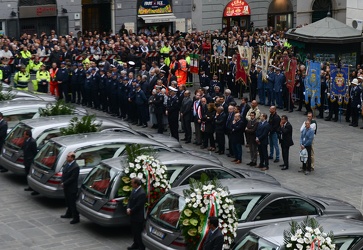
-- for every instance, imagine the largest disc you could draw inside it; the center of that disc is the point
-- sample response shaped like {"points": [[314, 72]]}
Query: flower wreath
{"points": [[201, 202], [152, 174], [308, 235]]}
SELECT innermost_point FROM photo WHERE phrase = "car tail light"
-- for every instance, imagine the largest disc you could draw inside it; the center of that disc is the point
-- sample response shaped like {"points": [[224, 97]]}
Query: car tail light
{"points": [[20, 160], [110, 206], [56, 179], [179, 243]]}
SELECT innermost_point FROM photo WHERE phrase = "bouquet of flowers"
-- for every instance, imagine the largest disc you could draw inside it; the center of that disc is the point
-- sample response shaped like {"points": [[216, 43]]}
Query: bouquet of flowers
{"points": [[203, 200], [152, 174], [308, 235]]}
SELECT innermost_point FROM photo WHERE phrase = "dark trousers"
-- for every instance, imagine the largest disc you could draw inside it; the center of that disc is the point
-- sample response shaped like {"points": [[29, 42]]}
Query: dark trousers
{"points": [[261, 96], [355, 115], [262, 149], [173, 125], [27, 166], [253, 151], [142, 114], [253, 92], [95, 98], [307, 165], [333, 110], [42, 88], [221, 141], [237, 149], [71, 197], [159, 119], [198, 133], [269, 96], [230, 145], [187, 125], [209, 137], [61, 90], [285, 155], [76, 93], [136, 228]]}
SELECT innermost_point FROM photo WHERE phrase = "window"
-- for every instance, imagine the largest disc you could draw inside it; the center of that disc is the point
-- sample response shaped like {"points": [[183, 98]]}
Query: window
{"points": [[218, 174], [175, 171], [254, 242], [244, 204], [98, 180], [15, 138], [92, 156], [44, 137], [286, 207], [47, 156], [167, 210]]}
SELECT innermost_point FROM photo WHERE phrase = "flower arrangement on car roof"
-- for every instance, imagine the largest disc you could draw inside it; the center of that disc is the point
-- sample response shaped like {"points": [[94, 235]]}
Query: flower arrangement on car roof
{"points": [[308, 235], [203, 199], [153, 175]]}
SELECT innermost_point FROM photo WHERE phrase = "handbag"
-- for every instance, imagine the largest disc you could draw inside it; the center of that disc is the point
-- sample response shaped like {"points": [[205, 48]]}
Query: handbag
{"points": [[303, 155]]}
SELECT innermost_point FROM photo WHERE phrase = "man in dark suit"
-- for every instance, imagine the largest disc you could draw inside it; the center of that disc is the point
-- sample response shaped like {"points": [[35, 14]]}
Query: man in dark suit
{"points": [[135, 209], [186, 116], [355, 102], [3, 133], [262, 141], [229, 120], [220, 127], [237, 138], [29, 150], [214, 240], [70, 186], [286, 140]]}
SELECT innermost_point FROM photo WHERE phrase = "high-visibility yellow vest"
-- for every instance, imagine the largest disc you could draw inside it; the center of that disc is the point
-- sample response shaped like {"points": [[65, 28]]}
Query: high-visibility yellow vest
{"points": [[43, 76], [35, 66], [26, 54], [22, 79]]}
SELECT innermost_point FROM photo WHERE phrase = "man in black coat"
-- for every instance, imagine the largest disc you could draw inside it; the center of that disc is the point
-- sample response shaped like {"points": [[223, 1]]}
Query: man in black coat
{"points": [[3, 133], [286, 140], [220, 127], [70, 187], [172, 111], [186, 116], [62, 77], [237, 138], [215, 239], [262, 132], [29, 150], [355, 102], [136, 210]]}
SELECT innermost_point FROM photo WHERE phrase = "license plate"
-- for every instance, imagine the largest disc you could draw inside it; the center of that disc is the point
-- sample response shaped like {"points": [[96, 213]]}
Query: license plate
{"points": [[157, 233], [88, 200], [37, 174], [8, 153]]}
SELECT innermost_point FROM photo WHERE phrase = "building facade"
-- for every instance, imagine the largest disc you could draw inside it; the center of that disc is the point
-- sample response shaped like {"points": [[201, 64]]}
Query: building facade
{"points": [[36, 16]]}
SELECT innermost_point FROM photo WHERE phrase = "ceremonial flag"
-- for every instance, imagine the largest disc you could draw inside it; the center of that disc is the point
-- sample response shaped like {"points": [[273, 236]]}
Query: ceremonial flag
{"points": [[194, 58], [246, 56], [240, 72], [339, 84], [290, 66], [312, 84], [264, 59]]}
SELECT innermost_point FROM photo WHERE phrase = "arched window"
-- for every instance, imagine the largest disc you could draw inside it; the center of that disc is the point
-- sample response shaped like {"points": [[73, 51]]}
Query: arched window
{"points": [[321, 9], [280, 14]]}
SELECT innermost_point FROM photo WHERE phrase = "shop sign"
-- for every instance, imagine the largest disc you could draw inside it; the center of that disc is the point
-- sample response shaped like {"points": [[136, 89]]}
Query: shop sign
{"points": [[37, 11], [237, 8], [148, 7]]}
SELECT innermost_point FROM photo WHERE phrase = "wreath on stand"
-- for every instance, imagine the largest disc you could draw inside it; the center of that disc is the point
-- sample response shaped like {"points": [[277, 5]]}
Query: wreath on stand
{"points": [[150, 171], [204, 199], [308, 235]]}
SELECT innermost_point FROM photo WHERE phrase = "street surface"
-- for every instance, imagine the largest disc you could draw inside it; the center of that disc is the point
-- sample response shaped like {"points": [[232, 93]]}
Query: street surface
{"points": [[28, 222]]}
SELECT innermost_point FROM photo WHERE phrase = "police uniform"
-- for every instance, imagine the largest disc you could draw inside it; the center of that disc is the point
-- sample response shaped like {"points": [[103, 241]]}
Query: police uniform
{"points": [[6, 73], [62, 79], [124, 93], [86, 97], [172, 107], [269, 86], [159, 111], [141, 104], [95, 84], [356, 102], [102, 90]]}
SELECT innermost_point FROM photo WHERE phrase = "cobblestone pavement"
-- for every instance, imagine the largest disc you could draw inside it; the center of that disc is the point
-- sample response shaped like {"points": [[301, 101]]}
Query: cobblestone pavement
{"points": [[28, 222]]}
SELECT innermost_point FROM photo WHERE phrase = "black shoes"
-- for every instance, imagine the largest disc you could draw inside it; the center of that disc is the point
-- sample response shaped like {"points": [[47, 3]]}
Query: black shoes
{"points": [[28, 189], [65, 216], [285, 168], [3, 170], [270, 157], [34, 193], [253, 164], [277, 160], [74, 221]]}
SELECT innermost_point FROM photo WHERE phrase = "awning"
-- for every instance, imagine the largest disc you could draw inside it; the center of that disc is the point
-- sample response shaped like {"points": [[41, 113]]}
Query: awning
{"points": [[158, 18]]}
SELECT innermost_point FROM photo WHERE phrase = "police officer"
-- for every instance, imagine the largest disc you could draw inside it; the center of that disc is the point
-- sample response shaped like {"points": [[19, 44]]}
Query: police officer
{"points": [[231, 73], [253, 81], [172, 111], [280, 80], [215, 83], [62, 78], [113, 93], [43, 78], [6, 71], [123, 97], [35, 65], [74, 82], [132, 108], [95, 78], [86, 96], [141, 104], [204, 79], [102, 90], [260, 86], [22, 79], [159, 108], [270, 84]]}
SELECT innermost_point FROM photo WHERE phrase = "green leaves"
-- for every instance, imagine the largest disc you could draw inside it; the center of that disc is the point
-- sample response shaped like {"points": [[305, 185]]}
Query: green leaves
{"points": [[86, 124], [135, 150], [58, 108]]}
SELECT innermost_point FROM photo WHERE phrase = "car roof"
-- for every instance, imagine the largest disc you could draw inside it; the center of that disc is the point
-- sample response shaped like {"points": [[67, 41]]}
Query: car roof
{"points": [[240, 186], [101, 137], [340, 227], [166, 158], [13, 104], [51, 121]]}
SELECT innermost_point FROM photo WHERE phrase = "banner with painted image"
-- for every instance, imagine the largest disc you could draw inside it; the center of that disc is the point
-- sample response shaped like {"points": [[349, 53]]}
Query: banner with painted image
{"points": [[339, 84], [312, 84], [290, 66], [219, 46], [264, 60]]}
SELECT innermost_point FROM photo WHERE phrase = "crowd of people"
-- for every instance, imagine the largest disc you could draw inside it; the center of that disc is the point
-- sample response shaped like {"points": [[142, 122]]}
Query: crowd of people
{"points": [[142, 90]]}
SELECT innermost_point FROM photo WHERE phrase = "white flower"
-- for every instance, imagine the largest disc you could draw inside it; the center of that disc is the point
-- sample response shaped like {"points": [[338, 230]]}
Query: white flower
{"points": [[127, 170], [195, 205], [203, 210], [138, 166], [293, 238], [131, 165], [289, 245], [299, 231], [187, 200], [300, 240], [317, 231], [299, 246], [192, 195], [199, 197], [132, 175], [309, 229], [140, 175]]}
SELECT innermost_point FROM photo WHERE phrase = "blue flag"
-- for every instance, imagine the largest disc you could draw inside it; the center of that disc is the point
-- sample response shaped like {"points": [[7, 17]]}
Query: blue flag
{"points": [[339, 84], [312, 84]]}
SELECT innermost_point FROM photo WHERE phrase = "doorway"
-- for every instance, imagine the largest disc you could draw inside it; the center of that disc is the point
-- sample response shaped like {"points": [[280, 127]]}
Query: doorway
{"points": [[96, 17]]}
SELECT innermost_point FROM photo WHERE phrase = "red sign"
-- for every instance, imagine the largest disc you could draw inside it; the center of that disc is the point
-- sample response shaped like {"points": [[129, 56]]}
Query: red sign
{"points": [[237, 8]]}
